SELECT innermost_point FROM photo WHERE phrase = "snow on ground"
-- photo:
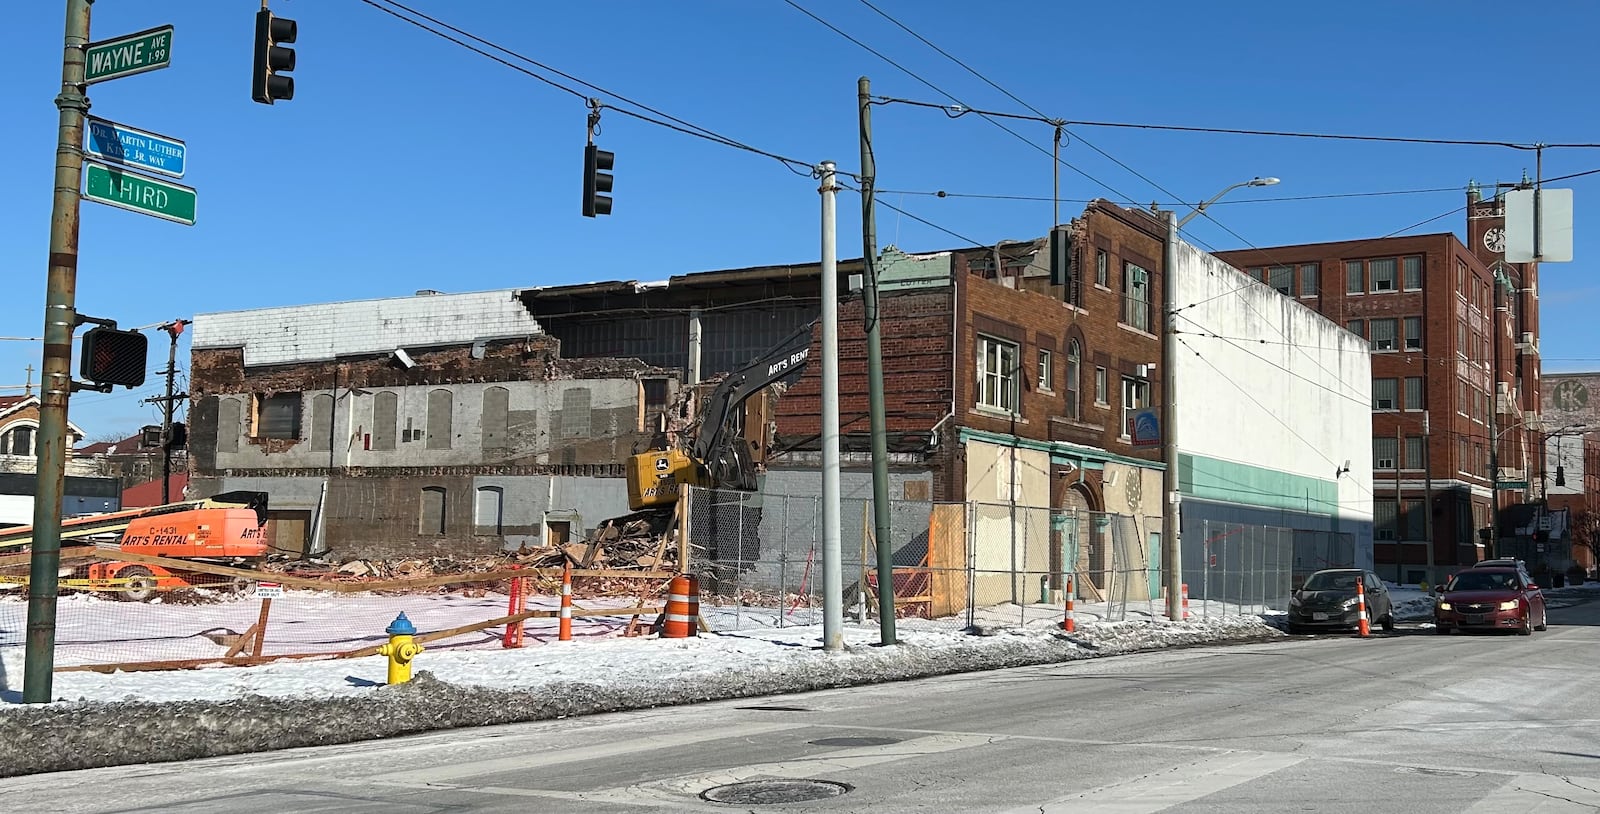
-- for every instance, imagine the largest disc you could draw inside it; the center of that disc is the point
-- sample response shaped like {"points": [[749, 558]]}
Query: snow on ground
{"points": [[172, 715]]}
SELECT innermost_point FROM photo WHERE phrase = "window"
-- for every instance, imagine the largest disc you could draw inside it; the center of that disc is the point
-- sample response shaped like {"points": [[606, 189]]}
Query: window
{"points": [[1413, 273], [1135, 397], [440, 404], [1383, 452], [1415, 455], [228, 426], [1102, 267], [1414, 393], [385, 410], [1383, 334], [1046, 371], [1356, 327], [575, 413], [1461, 278], [1383, 518], [1382, 274], [1101, 396], [495, 421], [488, 511], [1413, 326], [1309, 286], [997, 374], [1136, 297], [17, 441], [655, 394], [430, 516], [278, 416], [1074, 380], [1462, 348], [1281, 278], [1463, 451], [1383, 395], [322, 422], [1354, 279]]}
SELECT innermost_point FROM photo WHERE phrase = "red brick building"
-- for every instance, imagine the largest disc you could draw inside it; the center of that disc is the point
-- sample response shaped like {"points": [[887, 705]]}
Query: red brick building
{"points": [[1455, 365]]}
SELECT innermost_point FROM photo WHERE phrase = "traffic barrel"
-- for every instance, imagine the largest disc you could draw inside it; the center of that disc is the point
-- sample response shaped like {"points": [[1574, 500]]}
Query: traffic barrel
{"points": [[1361, 609], [683, 608], [1185, 587], [565, 633]]}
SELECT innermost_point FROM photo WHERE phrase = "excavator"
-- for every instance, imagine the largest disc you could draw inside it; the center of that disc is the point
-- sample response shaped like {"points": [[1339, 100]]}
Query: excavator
{"points": [[226, 529], [715, 456]]}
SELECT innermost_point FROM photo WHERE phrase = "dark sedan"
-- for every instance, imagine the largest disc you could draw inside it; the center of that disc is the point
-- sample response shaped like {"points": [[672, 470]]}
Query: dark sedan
{"points": [[1327, 601], [1490, 599]]}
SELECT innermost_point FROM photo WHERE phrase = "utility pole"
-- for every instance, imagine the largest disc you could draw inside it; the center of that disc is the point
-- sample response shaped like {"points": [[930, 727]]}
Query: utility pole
{"points": [[1494, 415], [172, 328], [832, 553], [55, 382], [1427, 490], [1400, 524], [1171, 544], [875, 408]]}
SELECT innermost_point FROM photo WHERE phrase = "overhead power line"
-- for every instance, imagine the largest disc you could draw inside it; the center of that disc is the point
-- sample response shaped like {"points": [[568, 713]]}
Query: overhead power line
{"points": [[665, 120], [1281, 199]]}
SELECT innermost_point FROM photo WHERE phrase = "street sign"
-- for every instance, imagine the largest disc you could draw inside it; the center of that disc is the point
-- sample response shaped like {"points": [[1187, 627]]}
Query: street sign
{"points": [[121, 144], [1511, 484], [151, 196], [127, 55]]}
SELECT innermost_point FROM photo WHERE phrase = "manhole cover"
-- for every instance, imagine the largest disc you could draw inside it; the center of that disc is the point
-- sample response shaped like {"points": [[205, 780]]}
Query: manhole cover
{"points": [[855, 741], [772, 792]]}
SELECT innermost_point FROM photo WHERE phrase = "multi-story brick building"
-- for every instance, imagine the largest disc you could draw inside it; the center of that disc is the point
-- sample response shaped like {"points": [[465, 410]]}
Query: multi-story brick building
{"points": [[1453, 331]]}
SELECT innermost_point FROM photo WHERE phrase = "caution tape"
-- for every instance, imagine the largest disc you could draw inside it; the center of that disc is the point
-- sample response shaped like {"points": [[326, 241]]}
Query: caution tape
{"points": [[78, 584]]}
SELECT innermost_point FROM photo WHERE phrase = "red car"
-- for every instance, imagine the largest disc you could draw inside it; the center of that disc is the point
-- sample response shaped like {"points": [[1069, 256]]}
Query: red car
{"points": [[1490, 599]]}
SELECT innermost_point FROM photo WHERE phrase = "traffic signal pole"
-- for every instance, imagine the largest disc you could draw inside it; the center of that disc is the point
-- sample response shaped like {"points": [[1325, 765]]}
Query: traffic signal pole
{"points": [[60, 318]]}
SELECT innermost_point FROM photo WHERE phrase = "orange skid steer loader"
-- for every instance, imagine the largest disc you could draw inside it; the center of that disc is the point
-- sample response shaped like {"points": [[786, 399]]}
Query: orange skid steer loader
{"points": [[228, 529]]}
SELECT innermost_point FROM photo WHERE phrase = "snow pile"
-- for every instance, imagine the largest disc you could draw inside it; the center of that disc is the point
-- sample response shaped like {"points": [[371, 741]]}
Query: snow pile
{"points": [[127, 718]]}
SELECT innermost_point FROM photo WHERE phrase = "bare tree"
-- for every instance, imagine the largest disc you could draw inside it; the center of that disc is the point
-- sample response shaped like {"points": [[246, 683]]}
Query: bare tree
{"points": [[1586, 534]]}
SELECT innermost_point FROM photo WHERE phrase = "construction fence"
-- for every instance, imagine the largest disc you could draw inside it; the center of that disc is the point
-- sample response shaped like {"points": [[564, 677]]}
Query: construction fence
{"points": [[957, 566], [225, 616]]}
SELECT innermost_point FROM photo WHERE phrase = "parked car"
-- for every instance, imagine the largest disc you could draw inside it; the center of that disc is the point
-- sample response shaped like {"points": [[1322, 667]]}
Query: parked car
{"points": [[1507, 562], [1327, 601], [1490, 597]]}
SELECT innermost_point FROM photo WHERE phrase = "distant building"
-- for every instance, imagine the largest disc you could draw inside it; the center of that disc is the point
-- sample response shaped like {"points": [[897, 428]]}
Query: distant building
{"points": [[19, 439]]}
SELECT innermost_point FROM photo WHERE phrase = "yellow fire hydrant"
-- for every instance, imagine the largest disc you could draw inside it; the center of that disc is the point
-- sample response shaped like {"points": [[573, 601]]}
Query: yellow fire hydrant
{"points": [[400, 649]]}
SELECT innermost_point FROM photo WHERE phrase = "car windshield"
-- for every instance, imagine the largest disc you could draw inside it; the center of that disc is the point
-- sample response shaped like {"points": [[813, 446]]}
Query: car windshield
{"points": [[1331, 581], [1483, 581]]}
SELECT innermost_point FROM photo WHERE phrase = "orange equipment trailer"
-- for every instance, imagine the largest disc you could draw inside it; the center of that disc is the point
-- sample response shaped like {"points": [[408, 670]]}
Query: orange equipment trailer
{"points": [[228, 529]]}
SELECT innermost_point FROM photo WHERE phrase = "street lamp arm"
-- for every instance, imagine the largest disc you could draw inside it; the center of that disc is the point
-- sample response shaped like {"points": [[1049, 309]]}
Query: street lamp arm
{"points": [[1253, 182]]}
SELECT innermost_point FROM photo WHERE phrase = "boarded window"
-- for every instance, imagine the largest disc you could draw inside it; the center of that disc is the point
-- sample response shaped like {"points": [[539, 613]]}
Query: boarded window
{"points": [[322, 422], [385, 410], [1074, 384], [430, 518], [278, 416], [487, 514], [496, 413], [228, 428], [440, 403], [575, 412]]}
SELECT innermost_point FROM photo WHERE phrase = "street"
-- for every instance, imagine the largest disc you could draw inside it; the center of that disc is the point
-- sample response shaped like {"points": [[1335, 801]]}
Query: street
{"points": [[1410, 720]]}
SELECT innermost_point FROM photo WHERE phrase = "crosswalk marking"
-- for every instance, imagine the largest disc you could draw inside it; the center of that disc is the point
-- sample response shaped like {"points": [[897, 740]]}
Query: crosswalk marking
{"points": [[1166, 788]]}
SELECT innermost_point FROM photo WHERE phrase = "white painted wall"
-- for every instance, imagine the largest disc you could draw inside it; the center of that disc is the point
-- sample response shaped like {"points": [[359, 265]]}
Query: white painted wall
{"points": [[1266, 381], [302, 333]]}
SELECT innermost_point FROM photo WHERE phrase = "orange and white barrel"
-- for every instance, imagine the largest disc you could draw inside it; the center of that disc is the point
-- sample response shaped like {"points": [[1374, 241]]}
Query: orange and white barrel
{"points": [[1069, 624], [683, 608], [1185, 587], [565, 631], [1364, 626]]}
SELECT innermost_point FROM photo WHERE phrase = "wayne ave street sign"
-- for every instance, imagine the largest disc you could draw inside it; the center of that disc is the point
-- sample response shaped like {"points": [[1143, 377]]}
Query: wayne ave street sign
{"points": [[127, 55], [122, 144], [151, 196]]}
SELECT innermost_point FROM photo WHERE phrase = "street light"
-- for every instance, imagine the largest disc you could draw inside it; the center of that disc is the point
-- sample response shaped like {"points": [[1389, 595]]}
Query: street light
{"points": [[1253, 182], [1171, 544]]}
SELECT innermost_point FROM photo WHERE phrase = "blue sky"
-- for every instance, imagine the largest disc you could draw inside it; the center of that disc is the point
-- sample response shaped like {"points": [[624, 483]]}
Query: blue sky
{"points": [[406, 162]]}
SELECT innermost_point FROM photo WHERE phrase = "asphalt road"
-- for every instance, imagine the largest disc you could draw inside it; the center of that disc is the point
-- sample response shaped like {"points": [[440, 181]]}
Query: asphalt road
{"points": [[1407, 721]]}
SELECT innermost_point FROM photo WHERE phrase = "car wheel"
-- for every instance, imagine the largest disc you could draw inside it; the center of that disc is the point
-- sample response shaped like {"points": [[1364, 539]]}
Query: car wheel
{"points": [[1544, 622], [1387, 622], [1296, 630], [1527, 626], [1442, 630]]}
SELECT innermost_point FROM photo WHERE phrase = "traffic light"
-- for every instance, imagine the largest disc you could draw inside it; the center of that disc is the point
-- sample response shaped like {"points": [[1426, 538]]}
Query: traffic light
{"points": [[273, 60], [597, 164], [113, 357]]}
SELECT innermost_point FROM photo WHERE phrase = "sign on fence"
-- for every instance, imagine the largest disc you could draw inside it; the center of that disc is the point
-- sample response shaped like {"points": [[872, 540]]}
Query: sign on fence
{"points": [[269, 590]]}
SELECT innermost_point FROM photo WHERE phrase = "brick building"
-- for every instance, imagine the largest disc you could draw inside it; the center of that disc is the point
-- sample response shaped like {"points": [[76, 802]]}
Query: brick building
{"points": [[1453, 332]]}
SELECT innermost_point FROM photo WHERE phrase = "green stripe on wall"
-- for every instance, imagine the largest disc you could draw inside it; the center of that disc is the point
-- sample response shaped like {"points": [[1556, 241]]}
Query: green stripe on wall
{"points": [[1229, 482]]}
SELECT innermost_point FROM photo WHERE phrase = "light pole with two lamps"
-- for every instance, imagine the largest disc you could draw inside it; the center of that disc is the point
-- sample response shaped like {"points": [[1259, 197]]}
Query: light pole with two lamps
{"points": [[1171, 544]]}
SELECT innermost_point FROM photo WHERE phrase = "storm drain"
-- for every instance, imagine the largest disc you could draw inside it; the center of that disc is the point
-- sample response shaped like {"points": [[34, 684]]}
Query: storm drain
{"points": [[854, 741], [774, 792]]}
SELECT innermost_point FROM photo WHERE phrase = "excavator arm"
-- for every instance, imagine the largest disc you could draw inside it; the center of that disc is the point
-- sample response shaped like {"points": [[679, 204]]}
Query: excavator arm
{"points": [[727, 457]]}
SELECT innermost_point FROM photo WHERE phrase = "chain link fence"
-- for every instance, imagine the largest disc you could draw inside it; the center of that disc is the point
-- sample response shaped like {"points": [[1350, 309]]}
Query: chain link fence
{"points": [[1253, 569]]}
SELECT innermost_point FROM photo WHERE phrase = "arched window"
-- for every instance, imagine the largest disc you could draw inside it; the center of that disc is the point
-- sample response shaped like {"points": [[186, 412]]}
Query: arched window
{"points": [[430, 519], [18, 440], [1074, 380], [489, 510]]}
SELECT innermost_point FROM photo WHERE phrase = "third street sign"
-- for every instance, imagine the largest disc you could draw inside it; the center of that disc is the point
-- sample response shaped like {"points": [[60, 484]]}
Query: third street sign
{"points": [[151, 196], [127, 55]]}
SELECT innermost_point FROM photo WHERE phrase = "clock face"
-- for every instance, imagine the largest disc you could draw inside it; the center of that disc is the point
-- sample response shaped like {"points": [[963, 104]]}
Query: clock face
{"points": [[1495, 240]]}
